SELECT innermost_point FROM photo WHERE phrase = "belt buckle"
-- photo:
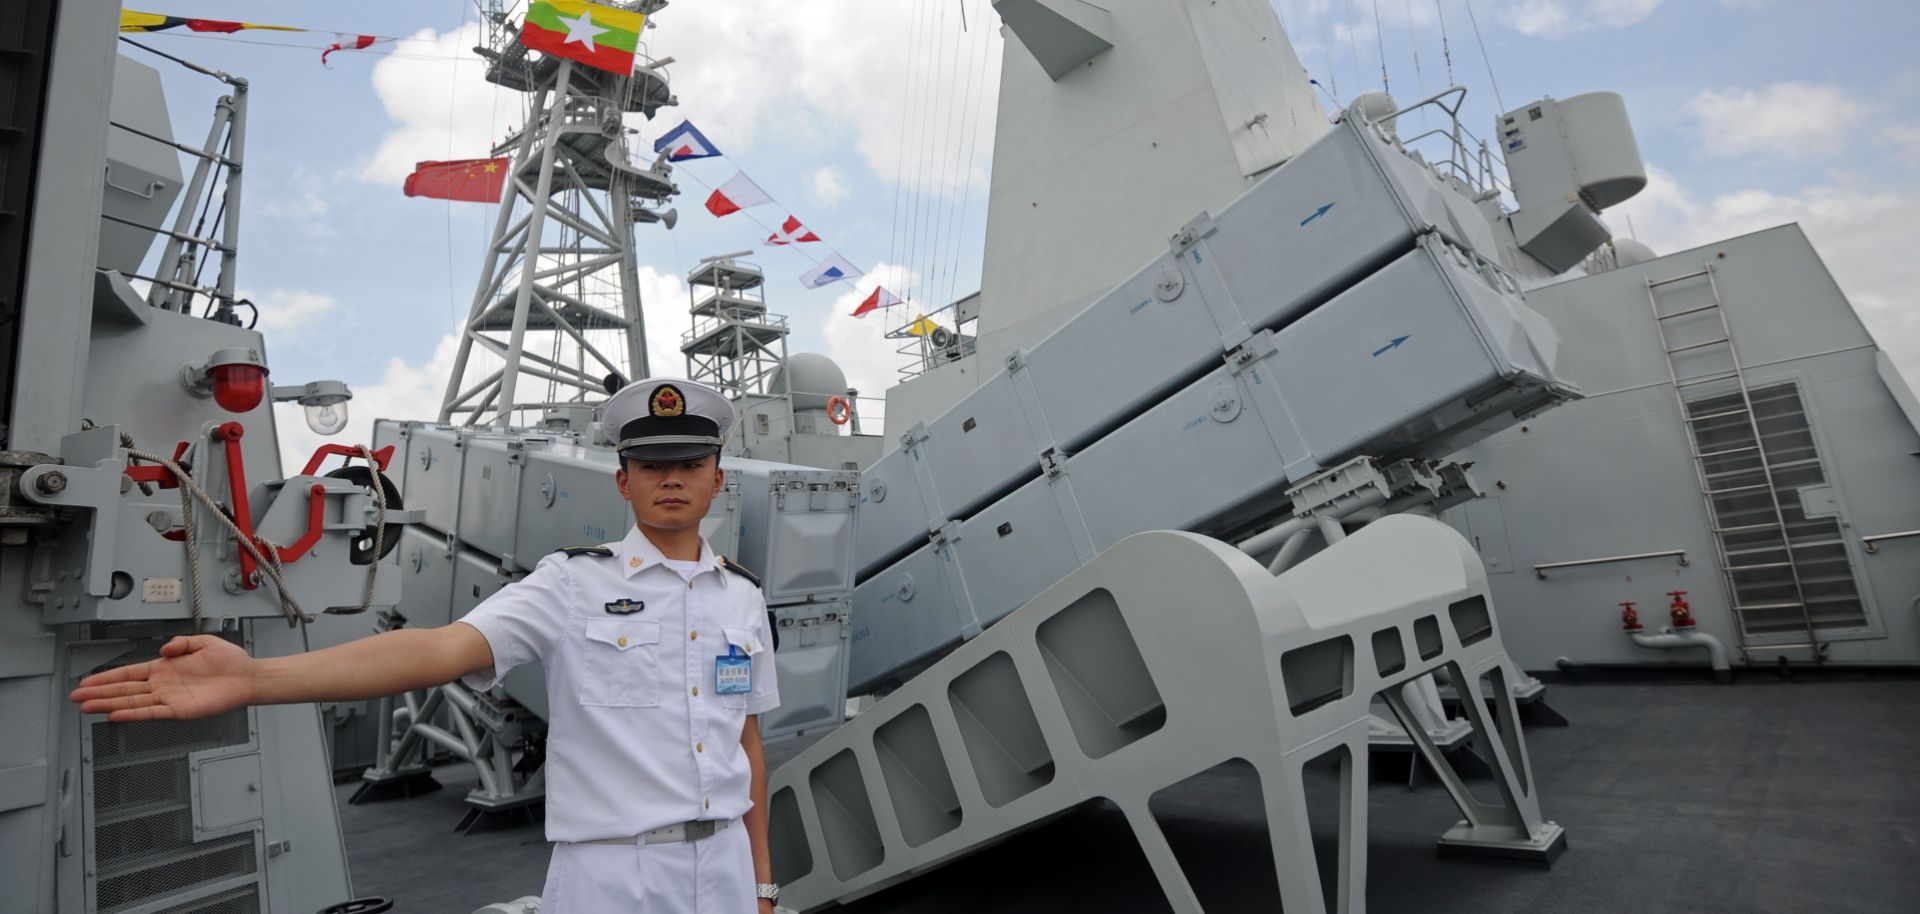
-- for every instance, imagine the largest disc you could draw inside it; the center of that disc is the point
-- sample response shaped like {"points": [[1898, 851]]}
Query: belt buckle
{"points": [[698, 829]]}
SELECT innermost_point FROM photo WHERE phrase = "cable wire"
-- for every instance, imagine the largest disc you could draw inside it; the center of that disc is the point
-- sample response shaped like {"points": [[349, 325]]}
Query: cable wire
{"points": [[1484, 58]]}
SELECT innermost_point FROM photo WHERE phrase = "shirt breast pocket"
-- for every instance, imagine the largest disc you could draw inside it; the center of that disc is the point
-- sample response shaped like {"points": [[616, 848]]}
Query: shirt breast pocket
{"points": [[619, 658], [749, 647]]}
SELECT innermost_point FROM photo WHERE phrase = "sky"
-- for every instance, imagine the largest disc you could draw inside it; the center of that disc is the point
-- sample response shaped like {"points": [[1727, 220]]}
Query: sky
{"points": [[872, 121]]}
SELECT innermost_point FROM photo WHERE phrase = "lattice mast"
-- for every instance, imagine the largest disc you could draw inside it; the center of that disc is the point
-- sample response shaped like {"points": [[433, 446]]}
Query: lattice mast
{"points": [[734, 344], [557, 309]]}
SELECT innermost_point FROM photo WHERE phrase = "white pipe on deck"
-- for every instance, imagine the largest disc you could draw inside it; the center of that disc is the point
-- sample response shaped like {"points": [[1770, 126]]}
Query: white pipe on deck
{"points": [[1668, 639]]}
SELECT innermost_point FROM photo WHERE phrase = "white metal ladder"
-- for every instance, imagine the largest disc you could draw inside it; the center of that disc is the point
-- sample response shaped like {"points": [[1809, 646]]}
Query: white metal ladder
{"points": [[1737, 374]]}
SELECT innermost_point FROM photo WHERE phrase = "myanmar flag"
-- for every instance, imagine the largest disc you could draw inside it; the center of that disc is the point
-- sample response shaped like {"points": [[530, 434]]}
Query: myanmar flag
{"points": [[595, 35]]}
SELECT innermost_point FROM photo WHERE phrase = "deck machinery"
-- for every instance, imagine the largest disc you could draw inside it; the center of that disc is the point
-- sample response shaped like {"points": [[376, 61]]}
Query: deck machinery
{"points": [[1299, 357], [142, 497], [1173, 510]]}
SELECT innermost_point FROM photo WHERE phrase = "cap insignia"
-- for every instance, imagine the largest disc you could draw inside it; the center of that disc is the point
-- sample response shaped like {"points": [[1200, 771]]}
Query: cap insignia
{"points": [[667, 401]]}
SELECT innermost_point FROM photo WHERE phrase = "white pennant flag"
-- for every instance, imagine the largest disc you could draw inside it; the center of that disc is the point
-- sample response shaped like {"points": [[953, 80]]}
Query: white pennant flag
{"points": [[737, 194], [829, 271]]}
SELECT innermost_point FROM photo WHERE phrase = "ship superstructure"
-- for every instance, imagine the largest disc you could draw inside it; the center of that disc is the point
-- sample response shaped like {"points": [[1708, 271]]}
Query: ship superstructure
{"points": [[1271, 443]]}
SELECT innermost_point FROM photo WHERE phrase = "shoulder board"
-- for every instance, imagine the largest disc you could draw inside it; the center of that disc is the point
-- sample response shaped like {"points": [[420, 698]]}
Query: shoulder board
{"points": [[574, 552], [736, 568]]}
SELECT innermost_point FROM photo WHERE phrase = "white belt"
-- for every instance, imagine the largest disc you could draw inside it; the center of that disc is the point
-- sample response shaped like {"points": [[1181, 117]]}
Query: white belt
{"points": [[668, 834]]}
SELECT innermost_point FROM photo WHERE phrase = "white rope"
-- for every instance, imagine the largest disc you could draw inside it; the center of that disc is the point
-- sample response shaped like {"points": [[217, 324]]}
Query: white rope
{"points": [[379, 526], [1446, 49], [1333, 55], [1484, 58], [268, 559], [966, 177], [1380, 35], [1353, 45], [1413, 39], [190, 491], [900, 161]]}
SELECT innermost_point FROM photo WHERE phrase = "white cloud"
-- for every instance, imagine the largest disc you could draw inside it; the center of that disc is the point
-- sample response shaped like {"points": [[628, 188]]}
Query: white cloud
{"points": [[827, 186], [1906, 138], [744, 67], [663, 296], [1555, 18], [1619, 13], [858, 69], [442, 103], [1540, 17], [286, 313], [858, 344], [295, 199], [1859, 231], [1796, 119], [403, 391]]}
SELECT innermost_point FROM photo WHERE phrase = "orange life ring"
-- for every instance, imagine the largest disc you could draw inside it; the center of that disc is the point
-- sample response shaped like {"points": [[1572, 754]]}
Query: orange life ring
{"points": [[839, 410]]}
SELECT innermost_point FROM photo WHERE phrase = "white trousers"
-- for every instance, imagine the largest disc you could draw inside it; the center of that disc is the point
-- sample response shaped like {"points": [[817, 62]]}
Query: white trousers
{"points": [[713, 875]]}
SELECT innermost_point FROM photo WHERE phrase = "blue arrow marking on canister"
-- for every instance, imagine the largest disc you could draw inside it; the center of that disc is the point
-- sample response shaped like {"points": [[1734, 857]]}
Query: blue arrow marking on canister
{"points": [[1391, 346]]}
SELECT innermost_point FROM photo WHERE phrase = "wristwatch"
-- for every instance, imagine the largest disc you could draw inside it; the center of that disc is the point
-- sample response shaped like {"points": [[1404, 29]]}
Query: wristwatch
{"points": [[766, 890]]}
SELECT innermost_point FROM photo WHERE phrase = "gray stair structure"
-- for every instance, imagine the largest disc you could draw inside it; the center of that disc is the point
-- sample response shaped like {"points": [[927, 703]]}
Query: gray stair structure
{"points": [[1166, 656]]}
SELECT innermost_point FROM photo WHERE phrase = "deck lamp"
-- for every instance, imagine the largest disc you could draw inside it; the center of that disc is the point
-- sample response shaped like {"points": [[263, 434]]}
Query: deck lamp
{"points": [[235, 378], [325, 403]]}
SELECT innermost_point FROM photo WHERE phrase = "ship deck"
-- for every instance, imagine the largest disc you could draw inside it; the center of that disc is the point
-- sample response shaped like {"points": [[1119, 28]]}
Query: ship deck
{"points": [[1677, 795]]}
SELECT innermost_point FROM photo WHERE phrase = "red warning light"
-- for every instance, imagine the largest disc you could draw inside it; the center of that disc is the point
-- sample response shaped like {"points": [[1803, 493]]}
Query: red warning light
{"points": [[238, 388]]}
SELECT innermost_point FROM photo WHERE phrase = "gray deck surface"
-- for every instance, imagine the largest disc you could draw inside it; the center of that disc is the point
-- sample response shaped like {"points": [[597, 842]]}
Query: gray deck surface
{"points": [[1764, 796]]}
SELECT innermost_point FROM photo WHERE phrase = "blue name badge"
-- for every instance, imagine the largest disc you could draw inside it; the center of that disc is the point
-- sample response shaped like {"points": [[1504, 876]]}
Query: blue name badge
{"points": [[733, 673]]}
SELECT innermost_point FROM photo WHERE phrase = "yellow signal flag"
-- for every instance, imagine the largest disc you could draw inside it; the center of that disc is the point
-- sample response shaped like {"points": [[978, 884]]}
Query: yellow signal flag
{"points": [[922, 326], [135, 21]]}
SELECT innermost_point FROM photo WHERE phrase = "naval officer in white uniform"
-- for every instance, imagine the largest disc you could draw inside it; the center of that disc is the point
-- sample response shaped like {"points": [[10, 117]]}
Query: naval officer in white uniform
{"points": [[658, 661]]}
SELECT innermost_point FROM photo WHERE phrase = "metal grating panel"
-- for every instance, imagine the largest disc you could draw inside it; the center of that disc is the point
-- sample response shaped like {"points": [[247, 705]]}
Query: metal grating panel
{"points": [[1733, 470], [135, 880], [243, 900], [141, 827]]}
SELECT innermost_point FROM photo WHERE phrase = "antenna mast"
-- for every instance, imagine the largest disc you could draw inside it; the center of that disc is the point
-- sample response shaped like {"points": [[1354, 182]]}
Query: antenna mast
{"points": [[558, 300]]}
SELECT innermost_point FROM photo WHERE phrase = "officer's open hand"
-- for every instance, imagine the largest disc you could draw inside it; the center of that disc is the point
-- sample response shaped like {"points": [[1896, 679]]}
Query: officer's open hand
{"points": [[196, 676]]}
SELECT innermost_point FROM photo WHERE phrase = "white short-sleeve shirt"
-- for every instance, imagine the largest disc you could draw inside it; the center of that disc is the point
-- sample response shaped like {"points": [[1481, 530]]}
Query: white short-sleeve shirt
{"points": [[638, 736]]}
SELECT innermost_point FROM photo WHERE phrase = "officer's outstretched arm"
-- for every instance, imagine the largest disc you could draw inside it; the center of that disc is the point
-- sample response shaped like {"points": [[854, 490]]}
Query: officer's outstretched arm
{"points": [[201, 675]]}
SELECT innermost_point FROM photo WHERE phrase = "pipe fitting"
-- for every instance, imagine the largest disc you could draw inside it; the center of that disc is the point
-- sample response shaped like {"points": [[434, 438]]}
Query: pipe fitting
{"points": [[1668, 639]]}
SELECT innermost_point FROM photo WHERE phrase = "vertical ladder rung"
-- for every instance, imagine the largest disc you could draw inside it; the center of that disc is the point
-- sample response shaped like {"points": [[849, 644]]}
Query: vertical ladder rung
{"points": [[1707, 379], [1738, 376], [1653, 283], [1693, 346], [1667, 317], [1742, 411]]}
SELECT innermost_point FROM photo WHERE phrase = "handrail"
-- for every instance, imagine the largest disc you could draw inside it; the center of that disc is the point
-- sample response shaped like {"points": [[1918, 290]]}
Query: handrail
{"points": [[1872, 542], [1681, 554], [706, 325]]}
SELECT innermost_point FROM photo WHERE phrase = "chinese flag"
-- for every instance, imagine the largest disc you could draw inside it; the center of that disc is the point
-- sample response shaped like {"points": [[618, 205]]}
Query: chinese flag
{"points": [[473, 180]]}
